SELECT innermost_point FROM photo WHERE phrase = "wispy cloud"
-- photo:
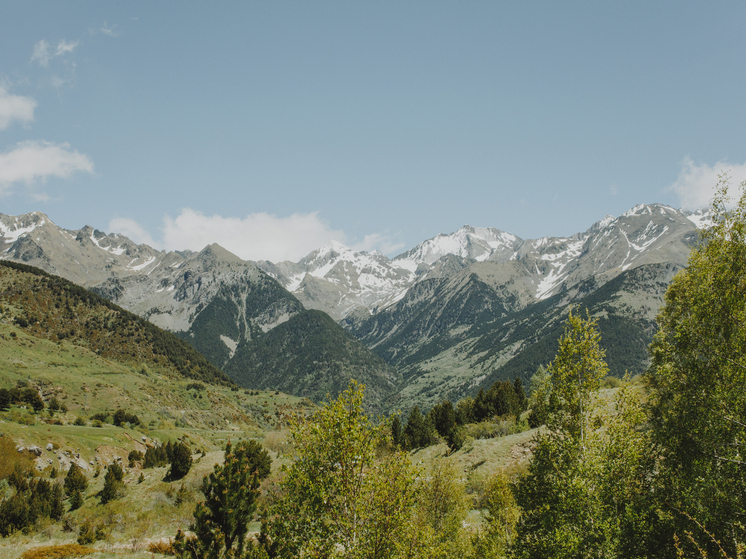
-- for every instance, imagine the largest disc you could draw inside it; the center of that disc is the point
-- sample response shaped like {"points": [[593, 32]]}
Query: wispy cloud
{"points": [[110, 31], [65, 46], [258, 236], [696, 184], [37, 160], [15, 108], [42, 52]]}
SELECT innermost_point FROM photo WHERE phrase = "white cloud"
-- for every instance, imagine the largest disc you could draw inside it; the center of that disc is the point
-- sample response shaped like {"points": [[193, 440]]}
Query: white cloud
{"points": [[63, 47], [31, 161], [41, 53], [15, 107], [696, 184], [130, 228], [259, 236], [110, 31], [378, 241]]}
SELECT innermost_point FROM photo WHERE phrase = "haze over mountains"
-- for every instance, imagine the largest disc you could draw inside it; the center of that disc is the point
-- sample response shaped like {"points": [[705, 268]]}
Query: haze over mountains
{"points": [[452, 314]]}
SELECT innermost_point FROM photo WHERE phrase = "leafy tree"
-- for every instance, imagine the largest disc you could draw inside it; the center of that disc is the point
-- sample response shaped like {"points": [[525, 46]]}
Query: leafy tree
{"points": [[502, 517], [576, 373], [696, 382], [4, 399], [230, 500], [113, 483], [442, 504], [541, 390], [336, 495], [75, 480], [181, 461], [560, 511]]}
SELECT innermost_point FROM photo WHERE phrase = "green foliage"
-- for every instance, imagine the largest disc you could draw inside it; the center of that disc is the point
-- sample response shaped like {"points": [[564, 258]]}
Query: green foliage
{"points": [[181, 461], [113, 484], [135, 456], [442, 504], [75, 480], [33, 500], [696, 383], [230, 493], [419, 432], [502, 515], [88, 534], [76, 500], [121, 417], [561, 511], [336, 495], [576, 373]]}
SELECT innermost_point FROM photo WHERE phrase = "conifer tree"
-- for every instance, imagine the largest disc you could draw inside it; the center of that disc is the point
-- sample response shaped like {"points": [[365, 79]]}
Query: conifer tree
{"points": [[231, 490]]}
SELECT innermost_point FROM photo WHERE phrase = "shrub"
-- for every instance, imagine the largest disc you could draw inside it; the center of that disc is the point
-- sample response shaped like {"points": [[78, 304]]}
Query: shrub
{"points": [[79, 421]]}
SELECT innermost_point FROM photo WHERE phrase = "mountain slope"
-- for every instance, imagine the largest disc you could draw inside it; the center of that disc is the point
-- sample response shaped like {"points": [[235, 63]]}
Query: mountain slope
{"points": [[310, 355], [53, 308]]}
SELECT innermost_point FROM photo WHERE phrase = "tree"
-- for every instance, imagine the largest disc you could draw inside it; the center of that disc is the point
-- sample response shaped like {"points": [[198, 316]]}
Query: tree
{"points": [[230, 493], [181, 461], [560, 510], [696, 382], [576, 373], [336, 494], [418, 432], [75, 480], [502, 516], [113, 483]]}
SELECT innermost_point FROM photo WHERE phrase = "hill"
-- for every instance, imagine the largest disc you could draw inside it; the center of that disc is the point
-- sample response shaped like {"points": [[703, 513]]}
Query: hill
{"points": [[310, 355]]}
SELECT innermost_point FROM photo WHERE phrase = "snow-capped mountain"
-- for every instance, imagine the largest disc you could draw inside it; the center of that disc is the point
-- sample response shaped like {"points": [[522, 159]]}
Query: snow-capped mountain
{"points": [[339, 281], [451, 312]]}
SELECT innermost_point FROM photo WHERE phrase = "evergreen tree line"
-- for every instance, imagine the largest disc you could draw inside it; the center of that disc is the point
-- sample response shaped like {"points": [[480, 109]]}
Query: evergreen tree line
{"points": [[20, 396], [444, 419]]}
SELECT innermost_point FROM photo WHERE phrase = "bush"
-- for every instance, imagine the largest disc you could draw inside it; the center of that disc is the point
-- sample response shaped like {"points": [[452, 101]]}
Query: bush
{"points": [[79, 421], [88, 534]]}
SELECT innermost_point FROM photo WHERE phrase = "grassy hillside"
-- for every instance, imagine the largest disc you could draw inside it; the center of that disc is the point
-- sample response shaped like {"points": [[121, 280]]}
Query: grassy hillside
{"points": [[55, 309]]}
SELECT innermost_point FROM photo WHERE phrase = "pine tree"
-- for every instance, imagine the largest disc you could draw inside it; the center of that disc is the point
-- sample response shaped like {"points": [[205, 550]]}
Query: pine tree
{"points": [[230, 500]]}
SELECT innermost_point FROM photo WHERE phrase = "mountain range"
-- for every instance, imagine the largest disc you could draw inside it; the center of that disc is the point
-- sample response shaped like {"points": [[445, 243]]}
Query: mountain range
{"points": [[441, 320]]}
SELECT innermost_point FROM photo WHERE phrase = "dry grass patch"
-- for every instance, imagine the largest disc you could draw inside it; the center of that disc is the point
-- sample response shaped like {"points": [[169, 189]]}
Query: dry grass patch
{"points": [[58, 551]]}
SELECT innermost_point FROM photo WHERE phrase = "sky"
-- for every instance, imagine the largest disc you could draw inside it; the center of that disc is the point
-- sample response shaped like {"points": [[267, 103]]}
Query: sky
{"points": [[272, 128]]}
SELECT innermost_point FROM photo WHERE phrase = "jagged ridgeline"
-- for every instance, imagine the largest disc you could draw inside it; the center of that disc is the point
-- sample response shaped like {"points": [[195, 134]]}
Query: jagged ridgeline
{"points": [[51, 307], [311, 355]]}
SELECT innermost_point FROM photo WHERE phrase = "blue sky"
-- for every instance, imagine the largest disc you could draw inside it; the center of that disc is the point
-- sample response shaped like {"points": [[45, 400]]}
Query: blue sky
{"points": [[273, 127]]}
